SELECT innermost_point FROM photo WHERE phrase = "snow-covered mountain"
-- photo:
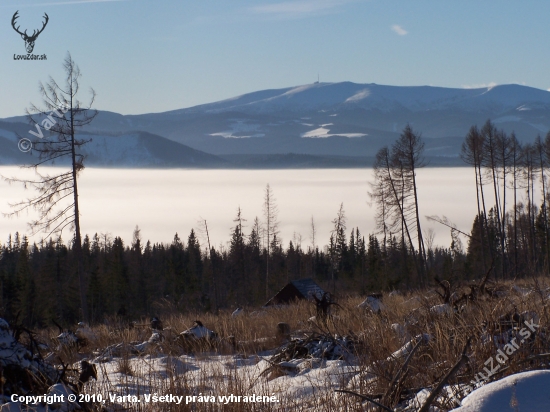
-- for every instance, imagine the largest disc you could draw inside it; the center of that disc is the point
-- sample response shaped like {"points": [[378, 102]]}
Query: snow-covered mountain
{"points": [[347, 95], [340, 119]]}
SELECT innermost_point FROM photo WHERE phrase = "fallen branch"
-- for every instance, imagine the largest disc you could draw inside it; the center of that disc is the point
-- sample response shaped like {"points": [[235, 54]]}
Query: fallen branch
{"points": [[445, 222]]}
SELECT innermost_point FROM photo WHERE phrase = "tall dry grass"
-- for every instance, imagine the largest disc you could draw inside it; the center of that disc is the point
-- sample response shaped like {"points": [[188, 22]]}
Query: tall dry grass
{"points": [[254, 332]]}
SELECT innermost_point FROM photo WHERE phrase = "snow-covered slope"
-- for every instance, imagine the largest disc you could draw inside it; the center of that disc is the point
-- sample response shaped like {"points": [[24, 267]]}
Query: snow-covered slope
{"points": [[133, 149], [140, 149]]}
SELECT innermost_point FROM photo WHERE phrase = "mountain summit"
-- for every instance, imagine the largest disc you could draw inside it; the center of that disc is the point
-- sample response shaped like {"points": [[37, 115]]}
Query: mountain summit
{"points": [[347, 95]]}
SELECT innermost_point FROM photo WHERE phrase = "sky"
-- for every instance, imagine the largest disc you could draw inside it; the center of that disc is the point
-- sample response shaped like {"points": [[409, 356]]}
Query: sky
{"points": [[144, 56]]}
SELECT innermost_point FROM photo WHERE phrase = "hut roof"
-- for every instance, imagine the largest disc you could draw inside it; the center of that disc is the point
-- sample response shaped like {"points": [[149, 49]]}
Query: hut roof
{"points": [[297, 289]]}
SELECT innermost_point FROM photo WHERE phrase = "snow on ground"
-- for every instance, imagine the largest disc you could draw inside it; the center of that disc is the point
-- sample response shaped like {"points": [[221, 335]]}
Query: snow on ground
{"points": [[323, 132], [240, 129], [360, 95], [154, 373], [373, 304], [524, 392], [320, 132]]}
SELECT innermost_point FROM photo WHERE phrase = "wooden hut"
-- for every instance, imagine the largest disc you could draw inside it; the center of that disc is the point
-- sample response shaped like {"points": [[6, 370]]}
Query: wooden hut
{"points": [[296, 289]]}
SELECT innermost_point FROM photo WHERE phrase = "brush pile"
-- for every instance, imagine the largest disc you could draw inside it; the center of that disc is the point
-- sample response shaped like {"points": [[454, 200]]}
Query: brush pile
{"points": [[23, 369], [322, 346], [25, 372]]}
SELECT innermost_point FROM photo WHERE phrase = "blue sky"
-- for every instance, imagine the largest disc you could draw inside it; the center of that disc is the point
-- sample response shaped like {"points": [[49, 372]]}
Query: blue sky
{"points": [[145, 56]]}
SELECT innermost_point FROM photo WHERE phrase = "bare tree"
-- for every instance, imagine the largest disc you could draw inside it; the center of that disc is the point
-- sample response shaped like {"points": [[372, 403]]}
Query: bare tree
{"points": [[381, 196], [313, 237], [472, 154], [529, 170], [390, 197], [271, 229], [313, 234], [61, 116], [239, 222], [495, 163], [407, 158], [203, 230], [297, 238], [516, 151], [395, 193], [505, 158], [542, 164], [430, 236], [136, 239], [258, 232], [106, 241]]}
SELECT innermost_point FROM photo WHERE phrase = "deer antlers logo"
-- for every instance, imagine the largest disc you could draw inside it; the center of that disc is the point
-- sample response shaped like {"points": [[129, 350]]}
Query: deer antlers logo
{"points": [[29, 40]]}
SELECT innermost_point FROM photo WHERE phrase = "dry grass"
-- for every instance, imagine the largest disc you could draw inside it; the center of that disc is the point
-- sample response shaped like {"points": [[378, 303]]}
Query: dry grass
{"points": [[254, 331]]}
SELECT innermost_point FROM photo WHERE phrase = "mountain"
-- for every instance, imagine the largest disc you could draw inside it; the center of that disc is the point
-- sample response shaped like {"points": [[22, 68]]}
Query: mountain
{"points": [[132, 149], [347, 95], [331, 120]]}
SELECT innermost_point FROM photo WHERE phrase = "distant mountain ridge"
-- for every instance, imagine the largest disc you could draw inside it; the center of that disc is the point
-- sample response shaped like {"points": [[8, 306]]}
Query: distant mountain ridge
{"points": [[134, 149], [348, 95], [336, 119]]}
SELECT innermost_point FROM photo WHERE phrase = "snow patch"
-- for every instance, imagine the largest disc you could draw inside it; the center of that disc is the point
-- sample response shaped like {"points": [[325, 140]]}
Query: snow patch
{"points": [[363, 94], [298, 89], [373, 304], [323, 132], [239, 127], [320, 132], [523, 108], [528, 390]]}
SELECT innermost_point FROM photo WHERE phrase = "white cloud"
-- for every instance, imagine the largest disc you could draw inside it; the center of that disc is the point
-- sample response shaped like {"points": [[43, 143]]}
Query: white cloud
{"points": [[299, 8], [399, 30], [479, 86]]}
